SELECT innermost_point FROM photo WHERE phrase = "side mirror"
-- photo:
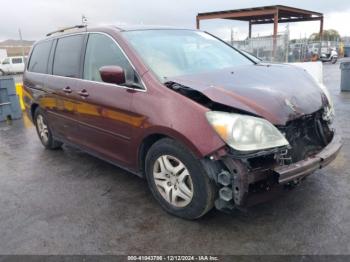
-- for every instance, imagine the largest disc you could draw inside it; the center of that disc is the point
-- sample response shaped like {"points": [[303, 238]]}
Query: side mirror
{"points": [[112, 74]]}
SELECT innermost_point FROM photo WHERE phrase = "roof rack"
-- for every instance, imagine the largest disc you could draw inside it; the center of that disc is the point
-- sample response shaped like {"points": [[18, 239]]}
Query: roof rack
{"points": [[65, 29]]}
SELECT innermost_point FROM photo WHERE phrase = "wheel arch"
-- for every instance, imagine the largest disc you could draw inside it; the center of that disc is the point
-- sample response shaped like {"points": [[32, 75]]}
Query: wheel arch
{"points": [[151, 138], [33, 108], [146, 144]]}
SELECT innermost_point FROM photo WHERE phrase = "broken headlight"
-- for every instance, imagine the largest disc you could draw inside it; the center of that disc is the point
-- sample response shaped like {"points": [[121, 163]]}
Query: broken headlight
{"points": [[328, 114], [329, 110], [245, 133]]}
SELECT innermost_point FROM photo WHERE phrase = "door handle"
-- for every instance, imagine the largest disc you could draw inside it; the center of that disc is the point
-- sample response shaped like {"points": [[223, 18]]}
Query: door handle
{"points": [[83, 93], [67, 90]]}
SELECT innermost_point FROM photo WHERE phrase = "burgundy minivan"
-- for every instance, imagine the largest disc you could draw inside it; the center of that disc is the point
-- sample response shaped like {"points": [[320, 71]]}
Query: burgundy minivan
{"points": [[204, 123]]}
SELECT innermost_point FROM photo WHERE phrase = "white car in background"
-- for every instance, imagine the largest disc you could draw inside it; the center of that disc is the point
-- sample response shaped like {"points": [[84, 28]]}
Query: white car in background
{"points": [[12, 65]]}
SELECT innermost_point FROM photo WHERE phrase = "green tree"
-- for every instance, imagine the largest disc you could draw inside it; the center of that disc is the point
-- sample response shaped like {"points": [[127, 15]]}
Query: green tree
{"points": [[328, 35]]}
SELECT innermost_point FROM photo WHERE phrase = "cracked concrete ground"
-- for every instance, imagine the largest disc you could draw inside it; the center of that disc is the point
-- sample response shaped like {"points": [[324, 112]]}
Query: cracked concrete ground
{"points": [[67, 202]]}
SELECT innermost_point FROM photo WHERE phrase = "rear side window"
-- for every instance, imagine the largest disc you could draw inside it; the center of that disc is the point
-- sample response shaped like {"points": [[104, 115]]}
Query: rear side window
{"points": [[67, 56], [17, 60], [39, 58]]}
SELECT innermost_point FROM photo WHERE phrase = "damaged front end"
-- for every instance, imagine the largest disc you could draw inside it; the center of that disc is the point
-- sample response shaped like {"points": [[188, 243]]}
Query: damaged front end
{"points": [[246, 177], [254, 179]]}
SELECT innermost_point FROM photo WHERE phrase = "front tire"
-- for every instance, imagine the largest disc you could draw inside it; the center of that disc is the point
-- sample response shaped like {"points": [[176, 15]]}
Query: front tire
{"points": [[178, 180], [44, 131]]}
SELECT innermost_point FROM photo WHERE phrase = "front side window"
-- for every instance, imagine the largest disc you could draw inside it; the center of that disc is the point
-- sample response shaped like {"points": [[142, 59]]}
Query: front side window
{"points": [[6, 61], [172, 53], [101, 51], [67, 56], [17, 60], [39, 57]]}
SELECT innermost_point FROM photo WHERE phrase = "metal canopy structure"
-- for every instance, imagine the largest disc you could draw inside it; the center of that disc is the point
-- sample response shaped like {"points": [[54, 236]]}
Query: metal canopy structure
{"points": [[265, 15]]}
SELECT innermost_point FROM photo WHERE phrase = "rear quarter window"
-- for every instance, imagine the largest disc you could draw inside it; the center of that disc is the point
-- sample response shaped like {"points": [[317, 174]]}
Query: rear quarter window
{"points": [[39, 58], [68, 55]]}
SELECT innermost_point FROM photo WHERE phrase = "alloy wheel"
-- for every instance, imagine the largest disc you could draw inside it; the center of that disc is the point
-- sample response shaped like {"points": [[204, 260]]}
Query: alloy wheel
{"points": [[42, 129]]}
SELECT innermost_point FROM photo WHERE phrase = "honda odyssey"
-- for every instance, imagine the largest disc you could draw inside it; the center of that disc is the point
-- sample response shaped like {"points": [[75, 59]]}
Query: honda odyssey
{"points": [[205, 124]]}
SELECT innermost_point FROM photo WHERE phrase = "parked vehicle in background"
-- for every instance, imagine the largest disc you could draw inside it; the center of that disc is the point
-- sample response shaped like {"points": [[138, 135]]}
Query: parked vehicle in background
{"points": [[204, 123], [330, 56], [12, 65], [3, 54]]}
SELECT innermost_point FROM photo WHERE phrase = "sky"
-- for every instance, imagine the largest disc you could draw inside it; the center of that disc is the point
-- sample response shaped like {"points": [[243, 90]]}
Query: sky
{"points": [[35, 18]]}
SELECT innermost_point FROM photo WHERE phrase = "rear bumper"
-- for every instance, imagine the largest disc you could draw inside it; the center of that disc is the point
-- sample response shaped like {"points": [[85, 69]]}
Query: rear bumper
{"points": [[298, 170]]}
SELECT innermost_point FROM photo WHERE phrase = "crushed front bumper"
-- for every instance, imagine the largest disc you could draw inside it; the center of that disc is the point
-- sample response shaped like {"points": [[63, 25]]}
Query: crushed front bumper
{"points": [[298, 170], [242, 191]]}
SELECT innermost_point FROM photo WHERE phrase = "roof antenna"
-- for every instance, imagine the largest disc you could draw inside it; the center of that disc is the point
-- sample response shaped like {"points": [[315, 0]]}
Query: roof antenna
{"points": [[84, 20]]}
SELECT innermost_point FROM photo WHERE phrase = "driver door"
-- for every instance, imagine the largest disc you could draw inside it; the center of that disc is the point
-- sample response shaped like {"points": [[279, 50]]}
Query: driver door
{"points": [[104, 110]]}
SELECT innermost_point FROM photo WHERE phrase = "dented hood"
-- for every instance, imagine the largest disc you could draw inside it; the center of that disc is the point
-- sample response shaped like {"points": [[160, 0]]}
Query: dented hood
{"points": [[278, 93]]}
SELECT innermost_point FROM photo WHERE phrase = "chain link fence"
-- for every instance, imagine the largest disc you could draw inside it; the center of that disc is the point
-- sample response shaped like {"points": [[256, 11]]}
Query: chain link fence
{"points": [[300, 50]]}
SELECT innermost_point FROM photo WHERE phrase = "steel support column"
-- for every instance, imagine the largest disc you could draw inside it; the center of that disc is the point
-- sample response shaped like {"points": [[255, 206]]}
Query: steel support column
{"points": [[275, 32], [321, 27], [197, 22], [250, 29]]}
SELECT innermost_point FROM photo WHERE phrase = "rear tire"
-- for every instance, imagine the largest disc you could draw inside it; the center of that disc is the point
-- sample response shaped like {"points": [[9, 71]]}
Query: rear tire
{"points": [[334, 60], [44, 131], [178, 180]]}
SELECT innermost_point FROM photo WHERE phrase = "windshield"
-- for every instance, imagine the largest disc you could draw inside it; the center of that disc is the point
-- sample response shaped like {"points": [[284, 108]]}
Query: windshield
{"points": [[172, 53]]}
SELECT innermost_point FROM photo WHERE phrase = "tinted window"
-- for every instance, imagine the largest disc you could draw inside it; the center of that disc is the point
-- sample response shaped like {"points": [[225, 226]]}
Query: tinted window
{"points": [[67, 56], [102, 51], [39, 58], [17, 60]]}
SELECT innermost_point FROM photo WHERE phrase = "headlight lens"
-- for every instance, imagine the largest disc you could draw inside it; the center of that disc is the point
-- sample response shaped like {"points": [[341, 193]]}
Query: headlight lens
{"points": [[245, 133], [329, 111]]}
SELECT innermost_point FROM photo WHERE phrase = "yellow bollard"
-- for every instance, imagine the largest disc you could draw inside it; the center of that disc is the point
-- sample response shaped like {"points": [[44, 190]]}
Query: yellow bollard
{"points": [[19, 91]]}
